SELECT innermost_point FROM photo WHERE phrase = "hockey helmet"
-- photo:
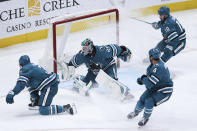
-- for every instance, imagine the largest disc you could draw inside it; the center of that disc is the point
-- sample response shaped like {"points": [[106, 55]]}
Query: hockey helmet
{"points": [[164, 10], [87, 46], [24, 60], [154, 53]]}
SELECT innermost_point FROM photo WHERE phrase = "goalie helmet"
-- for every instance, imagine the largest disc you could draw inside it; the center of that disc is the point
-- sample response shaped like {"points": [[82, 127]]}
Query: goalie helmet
{"points": [[164, 10], [87, 46], [23, 60], [154, 53]]}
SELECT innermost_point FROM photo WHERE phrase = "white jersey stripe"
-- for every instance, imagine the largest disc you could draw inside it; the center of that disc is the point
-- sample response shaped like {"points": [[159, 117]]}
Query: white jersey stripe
{"points": [[172, 34], [179, 47], [166, 91], [22, 80], [113, 50], [173, 37], [44, 83], [23, 77], [163, 100], [155, 78], [152, 80], [74, 61], [165, 88], [45, 97]]}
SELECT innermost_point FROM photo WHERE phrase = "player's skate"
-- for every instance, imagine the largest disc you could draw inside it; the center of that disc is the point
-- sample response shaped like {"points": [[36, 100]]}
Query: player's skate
{"points": [[143, 121], [131, 115], [34, 104], [71, 109]]}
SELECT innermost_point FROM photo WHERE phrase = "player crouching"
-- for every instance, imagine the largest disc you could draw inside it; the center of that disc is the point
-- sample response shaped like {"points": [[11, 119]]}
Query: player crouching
{"points": [[42, 87]]}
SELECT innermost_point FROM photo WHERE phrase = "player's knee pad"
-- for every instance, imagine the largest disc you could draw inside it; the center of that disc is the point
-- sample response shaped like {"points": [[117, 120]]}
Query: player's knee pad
{"points": [[44, 110], [54, 89], [140, 104], [149, 102], [144, 96], [50, 110]]}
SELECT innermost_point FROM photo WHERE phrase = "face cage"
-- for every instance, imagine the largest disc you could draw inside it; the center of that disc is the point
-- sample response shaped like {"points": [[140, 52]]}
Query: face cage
{"points": [[86, 49]]}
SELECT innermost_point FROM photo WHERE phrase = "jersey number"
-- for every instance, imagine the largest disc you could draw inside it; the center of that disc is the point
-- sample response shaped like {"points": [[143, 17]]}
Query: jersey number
{"points": [[155, 70]]}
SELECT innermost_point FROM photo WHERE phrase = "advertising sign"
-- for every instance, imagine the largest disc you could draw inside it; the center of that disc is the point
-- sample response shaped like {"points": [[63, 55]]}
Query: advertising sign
{"points": [[24, 16]]}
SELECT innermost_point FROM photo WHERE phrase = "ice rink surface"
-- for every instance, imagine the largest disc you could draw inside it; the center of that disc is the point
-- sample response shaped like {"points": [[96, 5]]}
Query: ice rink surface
{"points": [[100, 111]]}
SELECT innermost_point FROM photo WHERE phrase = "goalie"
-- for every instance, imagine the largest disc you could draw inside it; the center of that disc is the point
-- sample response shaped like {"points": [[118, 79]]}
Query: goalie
{"points": [[99, 60]]}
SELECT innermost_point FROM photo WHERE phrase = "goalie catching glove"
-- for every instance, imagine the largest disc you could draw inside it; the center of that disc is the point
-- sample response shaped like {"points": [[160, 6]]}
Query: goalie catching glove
{"points": [[66, 71], [125, 55]]}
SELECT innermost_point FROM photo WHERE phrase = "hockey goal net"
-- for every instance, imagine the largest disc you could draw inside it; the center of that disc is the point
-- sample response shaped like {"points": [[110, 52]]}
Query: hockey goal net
{"points": [[67, 32]]}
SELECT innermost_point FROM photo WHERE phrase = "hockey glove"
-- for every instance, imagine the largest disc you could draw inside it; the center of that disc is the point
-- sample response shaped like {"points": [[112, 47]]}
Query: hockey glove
{"points": [[155, 25], [66, 71], [10, 97], [139, 80], [125, 55]]}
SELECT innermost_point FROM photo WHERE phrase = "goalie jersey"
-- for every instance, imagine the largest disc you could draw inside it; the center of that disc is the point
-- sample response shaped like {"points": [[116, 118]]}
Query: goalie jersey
{"points": [[158, 78], [102, 56]]}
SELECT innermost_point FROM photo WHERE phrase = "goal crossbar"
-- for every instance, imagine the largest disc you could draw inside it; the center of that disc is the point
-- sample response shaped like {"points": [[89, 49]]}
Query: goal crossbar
{"points": [[79, 18]]}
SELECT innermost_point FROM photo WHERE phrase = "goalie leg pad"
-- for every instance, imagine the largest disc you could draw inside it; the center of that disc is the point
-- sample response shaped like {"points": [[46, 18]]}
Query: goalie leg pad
{"points": [[115, 86]]}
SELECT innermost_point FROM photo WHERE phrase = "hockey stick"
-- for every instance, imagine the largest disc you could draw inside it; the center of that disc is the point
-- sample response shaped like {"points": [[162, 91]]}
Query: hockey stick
{"points": [[140, 20], [3, 96]]}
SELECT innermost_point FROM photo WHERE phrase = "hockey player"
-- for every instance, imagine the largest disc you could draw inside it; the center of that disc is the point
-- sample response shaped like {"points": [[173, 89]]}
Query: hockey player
{"points": [[41, 85], [98, 58], [159, 87], [174, 37]]}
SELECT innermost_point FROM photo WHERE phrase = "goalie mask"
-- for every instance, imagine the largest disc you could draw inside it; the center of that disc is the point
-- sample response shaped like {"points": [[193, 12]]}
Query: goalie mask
{"points": [[87, 46]]}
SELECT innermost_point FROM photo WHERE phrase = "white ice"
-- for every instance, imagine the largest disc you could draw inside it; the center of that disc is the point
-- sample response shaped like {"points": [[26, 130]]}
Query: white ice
{"points": [[100, 112]]}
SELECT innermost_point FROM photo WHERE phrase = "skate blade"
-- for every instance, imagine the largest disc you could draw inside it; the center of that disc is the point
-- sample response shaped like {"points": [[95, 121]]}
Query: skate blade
{"points": [[33, 108]]}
